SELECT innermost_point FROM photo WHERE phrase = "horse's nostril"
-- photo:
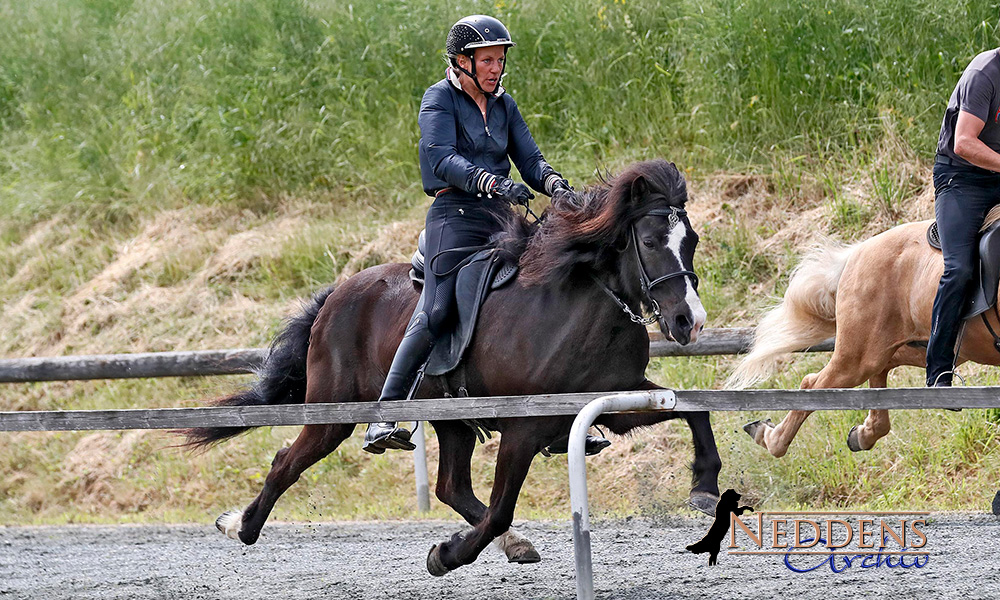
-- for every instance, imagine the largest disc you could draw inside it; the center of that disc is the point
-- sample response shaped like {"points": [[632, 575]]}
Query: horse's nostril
{"points": [[683, 322]]}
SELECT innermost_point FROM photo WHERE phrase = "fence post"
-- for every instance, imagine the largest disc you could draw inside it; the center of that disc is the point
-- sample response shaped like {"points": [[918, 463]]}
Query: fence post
{"points": [[420, 468], [651, 400]]}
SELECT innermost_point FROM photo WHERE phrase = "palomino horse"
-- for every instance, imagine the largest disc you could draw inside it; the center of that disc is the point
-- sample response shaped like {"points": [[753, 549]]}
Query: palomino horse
{"points": [[876, 297], [555, 329]]}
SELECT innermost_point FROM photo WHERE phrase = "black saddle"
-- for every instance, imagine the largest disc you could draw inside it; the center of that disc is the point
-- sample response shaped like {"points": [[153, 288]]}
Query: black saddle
{"points": [[986, 280], [482, 272]]}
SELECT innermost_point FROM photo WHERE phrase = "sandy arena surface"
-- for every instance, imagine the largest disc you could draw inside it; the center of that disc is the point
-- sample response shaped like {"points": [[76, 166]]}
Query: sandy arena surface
{"points": [[633, 559]]}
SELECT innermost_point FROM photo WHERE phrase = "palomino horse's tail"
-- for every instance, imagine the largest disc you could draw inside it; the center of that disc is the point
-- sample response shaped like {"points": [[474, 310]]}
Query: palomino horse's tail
{"points": [[805, 316], [280, 380]]}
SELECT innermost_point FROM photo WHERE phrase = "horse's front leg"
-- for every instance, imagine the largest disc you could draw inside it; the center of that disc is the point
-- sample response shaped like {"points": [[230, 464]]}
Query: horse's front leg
{"points": [[518, 447], [777, 438], [707, 463], [454, 487]]}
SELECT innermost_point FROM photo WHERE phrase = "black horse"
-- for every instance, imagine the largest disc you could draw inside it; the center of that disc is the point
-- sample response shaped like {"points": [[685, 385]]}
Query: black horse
{"points": [[569, 323]]}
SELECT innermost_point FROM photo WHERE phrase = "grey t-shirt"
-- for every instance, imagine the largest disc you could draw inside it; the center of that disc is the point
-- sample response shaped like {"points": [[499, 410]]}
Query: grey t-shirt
{"points": [[977, 93]]}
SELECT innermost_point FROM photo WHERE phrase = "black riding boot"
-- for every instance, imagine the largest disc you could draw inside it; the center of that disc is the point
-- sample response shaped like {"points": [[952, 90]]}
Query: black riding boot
{"points": [[593, 445], [411, 355]]}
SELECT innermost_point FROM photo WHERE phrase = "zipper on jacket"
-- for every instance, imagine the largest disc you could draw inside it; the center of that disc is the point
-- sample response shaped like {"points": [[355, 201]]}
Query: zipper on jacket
{"points": [[486, 119]]}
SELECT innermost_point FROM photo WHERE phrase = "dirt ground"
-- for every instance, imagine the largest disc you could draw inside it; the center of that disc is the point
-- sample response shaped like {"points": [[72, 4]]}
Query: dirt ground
{"points": [[633, 559]]}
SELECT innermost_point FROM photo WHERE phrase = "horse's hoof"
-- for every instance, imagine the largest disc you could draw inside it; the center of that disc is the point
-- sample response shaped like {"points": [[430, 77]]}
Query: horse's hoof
{"points": [[229, 524], [434, 565], [523, 554], [704, 502], [753, 427], [517, 548], [852, 440]]}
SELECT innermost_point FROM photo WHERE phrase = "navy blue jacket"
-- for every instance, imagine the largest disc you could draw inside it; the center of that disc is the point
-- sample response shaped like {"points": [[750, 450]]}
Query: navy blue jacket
{"points": [[456, 145]]}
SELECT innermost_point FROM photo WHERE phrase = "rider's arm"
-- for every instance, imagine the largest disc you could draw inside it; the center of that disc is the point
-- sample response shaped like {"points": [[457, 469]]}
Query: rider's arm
{"points": [[439, 139], [525, 153], [976, 90], [970, 147]]}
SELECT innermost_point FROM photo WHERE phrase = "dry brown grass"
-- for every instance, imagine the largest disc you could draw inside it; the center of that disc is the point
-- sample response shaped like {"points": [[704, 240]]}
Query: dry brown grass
{"points": [[178, 283], [91, 470], [394, 243]]}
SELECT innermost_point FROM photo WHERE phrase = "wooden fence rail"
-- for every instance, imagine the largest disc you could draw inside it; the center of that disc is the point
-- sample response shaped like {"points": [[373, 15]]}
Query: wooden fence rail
{"points": [[245, 360], [492, 407]]}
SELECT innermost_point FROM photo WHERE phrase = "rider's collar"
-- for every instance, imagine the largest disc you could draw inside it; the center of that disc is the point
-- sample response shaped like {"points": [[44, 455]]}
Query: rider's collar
{"points": [[452, 76]]}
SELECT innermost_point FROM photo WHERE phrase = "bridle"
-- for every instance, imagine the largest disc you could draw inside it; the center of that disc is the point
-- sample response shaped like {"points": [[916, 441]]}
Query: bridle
{"points": [[673, 215]]}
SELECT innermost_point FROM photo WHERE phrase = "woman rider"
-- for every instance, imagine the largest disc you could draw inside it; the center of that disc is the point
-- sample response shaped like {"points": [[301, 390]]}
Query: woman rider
{"points": [[470, 131]]}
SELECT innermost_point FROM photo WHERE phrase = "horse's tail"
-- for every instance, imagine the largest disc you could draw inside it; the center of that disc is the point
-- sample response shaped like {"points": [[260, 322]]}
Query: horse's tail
{"points": [[806, 315], [280, 380]]}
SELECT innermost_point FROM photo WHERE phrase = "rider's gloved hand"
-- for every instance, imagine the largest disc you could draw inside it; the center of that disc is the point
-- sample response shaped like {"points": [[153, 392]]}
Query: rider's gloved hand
{"points": [[560, 186], [556, 184], [507, 189]]}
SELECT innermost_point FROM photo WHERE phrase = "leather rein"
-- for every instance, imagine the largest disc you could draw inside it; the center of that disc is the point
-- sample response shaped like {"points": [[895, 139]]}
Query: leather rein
{"points": [[673, 214]]}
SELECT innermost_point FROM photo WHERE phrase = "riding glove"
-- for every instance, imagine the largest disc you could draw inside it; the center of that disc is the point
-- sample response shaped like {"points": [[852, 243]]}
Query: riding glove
{"points": [[560, 186], [507, 189]]}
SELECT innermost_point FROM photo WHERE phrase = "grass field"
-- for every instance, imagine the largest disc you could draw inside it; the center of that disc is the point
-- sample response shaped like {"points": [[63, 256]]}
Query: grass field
{"points": [[178, 175]]}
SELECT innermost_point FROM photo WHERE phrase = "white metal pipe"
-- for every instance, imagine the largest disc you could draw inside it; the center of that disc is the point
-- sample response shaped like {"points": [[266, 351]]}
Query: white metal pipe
{"points": [[420, 468], [631, 401]]}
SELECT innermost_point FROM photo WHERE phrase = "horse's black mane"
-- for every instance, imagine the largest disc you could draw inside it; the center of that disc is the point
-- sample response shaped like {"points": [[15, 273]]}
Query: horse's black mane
{"points": [[583, 229]]}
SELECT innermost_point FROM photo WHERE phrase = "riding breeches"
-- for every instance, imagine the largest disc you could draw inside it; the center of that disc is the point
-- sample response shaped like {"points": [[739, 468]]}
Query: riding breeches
{"points": [[962, 197], [453, 222], [455, 226]]}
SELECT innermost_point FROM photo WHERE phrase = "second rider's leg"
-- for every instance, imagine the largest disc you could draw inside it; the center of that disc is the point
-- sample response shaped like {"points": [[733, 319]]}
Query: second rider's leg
{"points": [[962, 199]]}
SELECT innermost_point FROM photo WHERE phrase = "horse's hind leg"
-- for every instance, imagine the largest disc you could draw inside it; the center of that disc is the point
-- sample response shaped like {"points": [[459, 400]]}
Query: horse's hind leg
{"points": [[454, 488], [777, 438], [876, 425], [314, 443], [517, 448]]}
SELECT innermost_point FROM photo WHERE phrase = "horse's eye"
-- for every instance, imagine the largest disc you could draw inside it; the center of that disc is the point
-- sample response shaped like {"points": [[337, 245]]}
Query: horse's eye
{"points": [[648, 243]]}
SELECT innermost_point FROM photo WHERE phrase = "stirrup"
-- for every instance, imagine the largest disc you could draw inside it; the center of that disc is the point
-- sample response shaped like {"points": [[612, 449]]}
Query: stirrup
{"points": [[387, 436], [953, 374]]}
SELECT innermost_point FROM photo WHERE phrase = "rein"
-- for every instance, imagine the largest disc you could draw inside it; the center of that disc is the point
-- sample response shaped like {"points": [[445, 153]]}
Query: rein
{"points": [[470, 251], [673, 215]]}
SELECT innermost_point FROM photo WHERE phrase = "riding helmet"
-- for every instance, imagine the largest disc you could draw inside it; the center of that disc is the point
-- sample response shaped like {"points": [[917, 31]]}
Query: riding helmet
{"points": [[476, 31]]}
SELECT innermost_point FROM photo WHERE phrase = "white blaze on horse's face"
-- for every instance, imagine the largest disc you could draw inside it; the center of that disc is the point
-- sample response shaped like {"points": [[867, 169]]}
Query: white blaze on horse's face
{"points": [[667, 245], [675, 242]]}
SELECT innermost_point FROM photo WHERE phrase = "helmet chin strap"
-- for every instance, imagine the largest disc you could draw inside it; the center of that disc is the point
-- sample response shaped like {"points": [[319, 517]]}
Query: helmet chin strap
{"points": [[475, 79]]}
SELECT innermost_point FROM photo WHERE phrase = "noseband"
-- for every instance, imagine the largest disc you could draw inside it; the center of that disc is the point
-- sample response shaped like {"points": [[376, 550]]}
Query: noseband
{"points": [[673, 215]]}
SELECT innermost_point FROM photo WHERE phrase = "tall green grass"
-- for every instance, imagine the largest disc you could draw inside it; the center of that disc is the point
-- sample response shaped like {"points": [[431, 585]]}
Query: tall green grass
{"points": [[113, 108]]}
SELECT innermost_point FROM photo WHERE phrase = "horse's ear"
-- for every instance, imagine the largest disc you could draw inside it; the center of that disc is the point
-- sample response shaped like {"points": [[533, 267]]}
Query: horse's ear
{"points": [[639, 188]]}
